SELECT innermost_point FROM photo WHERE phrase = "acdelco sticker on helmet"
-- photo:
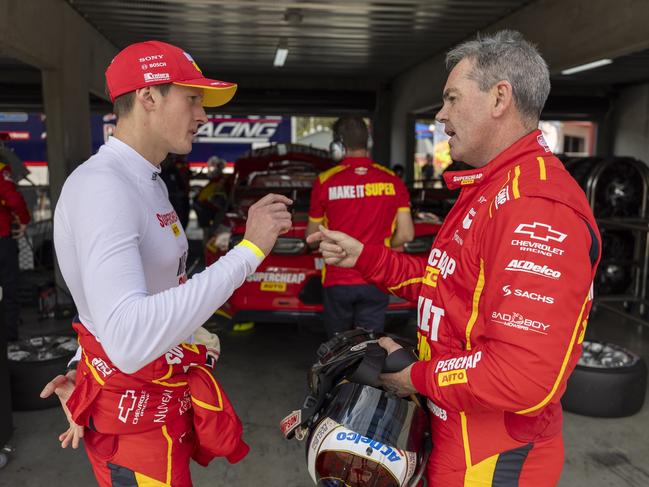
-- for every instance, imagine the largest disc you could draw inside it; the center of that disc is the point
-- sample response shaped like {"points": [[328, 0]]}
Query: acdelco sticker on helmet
{"points": [[439, 264], [400, 464]]}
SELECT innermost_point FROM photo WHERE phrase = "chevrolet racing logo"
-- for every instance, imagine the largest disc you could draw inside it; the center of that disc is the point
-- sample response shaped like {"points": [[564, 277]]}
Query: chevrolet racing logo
{"points": [[126, 405], [540, 231]]}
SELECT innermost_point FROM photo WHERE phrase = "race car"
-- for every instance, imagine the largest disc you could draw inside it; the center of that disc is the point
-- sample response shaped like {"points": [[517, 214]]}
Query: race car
{"points": [[287, 286]]}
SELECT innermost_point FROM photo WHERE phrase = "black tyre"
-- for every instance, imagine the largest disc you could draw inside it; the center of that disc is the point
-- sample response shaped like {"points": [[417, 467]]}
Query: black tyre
{"points": [[32, 364], [608, 382]]}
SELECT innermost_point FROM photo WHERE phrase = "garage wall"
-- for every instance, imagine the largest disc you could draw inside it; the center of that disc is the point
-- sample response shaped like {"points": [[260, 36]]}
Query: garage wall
{"points": [[631, 122]]}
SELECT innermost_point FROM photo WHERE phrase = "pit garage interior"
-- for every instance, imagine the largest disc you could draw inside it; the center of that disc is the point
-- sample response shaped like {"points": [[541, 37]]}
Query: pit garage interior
{"points": [[383, 60]]}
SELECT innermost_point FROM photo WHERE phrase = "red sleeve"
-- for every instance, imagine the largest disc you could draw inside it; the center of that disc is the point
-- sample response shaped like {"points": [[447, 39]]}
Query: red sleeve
{"points": [[393, 272], [403, 196], [534, 307], [317, 208], [11, 198]]}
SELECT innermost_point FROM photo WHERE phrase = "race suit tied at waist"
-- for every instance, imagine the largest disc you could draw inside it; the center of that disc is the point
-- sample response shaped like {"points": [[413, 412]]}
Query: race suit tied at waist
{"points": [[129, 403], [179, 386]]}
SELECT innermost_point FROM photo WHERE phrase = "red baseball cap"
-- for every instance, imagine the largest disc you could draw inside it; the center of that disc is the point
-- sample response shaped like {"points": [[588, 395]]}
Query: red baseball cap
{"points": [[154, 63]]}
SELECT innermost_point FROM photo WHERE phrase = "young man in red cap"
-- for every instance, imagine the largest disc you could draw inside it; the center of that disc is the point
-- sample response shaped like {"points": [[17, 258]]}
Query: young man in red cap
{"points": [[144, 401]]}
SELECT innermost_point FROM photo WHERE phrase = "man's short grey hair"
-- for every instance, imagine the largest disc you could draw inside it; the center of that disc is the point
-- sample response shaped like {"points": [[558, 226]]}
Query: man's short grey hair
{"points": [[506, 55]]}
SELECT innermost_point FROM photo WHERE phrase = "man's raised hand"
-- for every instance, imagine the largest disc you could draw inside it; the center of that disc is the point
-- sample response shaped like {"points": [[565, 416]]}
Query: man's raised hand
{"points": [[337, 248], [268, 218]]}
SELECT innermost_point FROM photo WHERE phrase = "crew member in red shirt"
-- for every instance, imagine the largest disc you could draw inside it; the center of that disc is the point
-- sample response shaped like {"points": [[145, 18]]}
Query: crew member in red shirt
{"points": [[365, 200], [13, 212]]}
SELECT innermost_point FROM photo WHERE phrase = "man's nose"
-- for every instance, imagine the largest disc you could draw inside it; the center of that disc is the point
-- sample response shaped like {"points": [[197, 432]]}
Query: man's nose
{"points": [[201, 117], [441, 115]]}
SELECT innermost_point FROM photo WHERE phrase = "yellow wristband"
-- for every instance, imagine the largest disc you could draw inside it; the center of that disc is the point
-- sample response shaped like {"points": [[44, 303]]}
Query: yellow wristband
{"points": [[257, 251]]}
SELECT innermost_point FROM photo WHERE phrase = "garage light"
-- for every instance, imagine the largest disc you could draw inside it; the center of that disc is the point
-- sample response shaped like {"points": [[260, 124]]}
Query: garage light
{"points": [[281, 53], [587, 66]]}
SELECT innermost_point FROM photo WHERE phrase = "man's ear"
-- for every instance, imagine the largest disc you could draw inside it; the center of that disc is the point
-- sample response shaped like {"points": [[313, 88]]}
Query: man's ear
{"points": [[146, 97], [503, 97]]}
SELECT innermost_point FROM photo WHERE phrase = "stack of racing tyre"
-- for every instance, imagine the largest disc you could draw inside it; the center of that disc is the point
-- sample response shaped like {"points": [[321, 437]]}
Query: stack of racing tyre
{"points": [[609, 380]]}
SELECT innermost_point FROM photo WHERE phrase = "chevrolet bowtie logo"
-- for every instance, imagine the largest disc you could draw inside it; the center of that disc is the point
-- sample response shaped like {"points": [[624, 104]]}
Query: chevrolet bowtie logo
{"points": [[126, 405], [540, 231]]}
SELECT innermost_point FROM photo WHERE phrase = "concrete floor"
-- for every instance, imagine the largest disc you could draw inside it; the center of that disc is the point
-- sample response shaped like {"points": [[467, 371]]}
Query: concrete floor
{"points": [[263, 372]]}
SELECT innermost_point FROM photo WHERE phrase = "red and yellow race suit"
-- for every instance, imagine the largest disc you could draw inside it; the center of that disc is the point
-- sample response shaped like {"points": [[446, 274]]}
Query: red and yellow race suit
{"points": [[12, 203], [503, 300], [142, 428]]}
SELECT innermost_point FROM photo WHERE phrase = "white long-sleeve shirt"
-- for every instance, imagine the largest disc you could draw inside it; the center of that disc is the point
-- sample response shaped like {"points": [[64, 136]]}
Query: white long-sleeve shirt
{"points": [[122, 253]]}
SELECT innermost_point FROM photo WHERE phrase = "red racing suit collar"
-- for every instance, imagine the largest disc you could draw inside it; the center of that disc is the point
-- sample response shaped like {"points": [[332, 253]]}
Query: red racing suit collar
{"points": [[522, 149]]}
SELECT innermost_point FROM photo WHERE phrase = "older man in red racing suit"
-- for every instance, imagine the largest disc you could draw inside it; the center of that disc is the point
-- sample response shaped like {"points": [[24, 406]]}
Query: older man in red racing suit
{"points": [[503, 300]]}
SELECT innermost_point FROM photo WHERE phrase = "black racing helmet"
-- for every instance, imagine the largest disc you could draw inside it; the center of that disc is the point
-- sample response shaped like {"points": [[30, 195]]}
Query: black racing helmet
{"points": [[357, 433]]}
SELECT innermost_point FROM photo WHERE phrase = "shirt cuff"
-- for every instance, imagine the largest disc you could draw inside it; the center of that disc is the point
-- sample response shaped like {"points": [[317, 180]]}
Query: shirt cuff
{"points": [[418, 377], [256, 250]]}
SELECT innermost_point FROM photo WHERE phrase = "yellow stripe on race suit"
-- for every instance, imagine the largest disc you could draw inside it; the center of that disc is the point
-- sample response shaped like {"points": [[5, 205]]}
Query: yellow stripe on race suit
{"points": [[190, 347], [476, 301], [481, 474], [562, 371], [211, 407], [92, 369], [465, 440], [515, 191], [161, 380], [414, 280], [316, 220], [144, 481], [542, 173], [170, 444]]}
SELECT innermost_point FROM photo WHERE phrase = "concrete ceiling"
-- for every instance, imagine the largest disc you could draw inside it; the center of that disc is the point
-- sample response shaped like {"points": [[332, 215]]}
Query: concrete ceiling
{"points": [[348, 38], [341, 52]]}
